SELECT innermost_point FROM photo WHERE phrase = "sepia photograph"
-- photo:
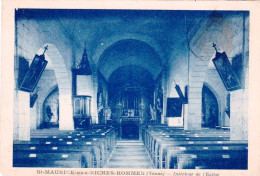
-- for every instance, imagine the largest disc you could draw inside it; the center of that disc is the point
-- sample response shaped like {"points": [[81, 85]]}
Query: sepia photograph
{"points": [[130, 91]]}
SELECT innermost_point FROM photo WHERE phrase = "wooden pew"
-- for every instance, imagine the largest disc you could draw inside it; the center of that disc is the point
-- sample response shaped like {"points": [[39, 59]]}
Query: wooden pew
{"points": [[161, 139], [157, 140], [33, 159], [108, 134], [162, 152], [80, 142], [173, 152], [69, 146], [107, 140], [94, 145], [231, 160], [90, 156], [150, 135], [184, 138], [162, 146]]}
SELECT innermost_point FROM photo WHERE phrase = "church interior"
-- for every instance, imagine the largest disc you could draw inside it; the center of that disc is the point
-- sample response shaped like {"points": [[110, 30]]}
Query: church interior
{"points": [[147, 89]]}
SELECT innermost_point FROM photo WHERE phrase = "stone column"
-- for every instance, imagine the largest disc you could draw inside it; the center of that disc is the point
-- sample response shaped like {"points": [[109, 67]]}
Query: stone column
{"points": [[22, 116], [33, 117], [197, 71], [164, 88], [239, 98], [65, 112], [185, 117], [94, 111], [238, 115]]}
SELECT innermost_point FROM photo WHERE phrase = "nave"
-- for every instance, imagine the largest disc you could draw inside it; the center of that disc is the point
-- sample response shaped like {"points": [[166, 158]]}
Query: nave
{"points": [[107, 86], [161, 147]]}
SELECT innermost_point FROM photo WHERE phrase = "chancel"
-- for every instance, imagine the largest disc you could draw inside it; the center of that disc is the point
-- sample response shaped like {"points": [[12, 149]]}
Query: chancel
{"points": [[131, 89]]}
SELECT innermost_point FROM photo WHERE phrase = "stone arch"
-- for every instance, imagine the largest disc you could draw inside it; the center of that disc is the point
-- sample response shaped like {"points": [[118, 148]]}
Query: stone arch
{"points": [[59, 67], [212, 114], [53, 91], [64, 85], [45, 94], [40, 101], [108, 42], [116, 38], [213, 91], [137, 57], [219, 100]]}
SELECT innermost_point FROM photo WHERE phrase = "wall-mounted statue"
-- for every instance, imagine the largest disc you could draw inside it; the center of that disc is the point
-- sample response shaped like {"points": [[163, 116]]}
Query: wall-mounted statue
{"points": [[49, 114], [108, 113], [153, 113]]}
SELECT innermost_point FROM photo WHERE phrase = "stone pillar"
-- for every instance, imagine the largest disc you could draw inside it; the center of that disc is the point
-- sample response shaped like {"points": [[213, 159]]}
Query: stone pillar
{"points": [[22, 116], [185, 117], [65, 112], [94, 111], [164, 88], [193, 117], [223, 117], [39, 118], [197, 71], [33, 117], [239, 98], [238, 115]]}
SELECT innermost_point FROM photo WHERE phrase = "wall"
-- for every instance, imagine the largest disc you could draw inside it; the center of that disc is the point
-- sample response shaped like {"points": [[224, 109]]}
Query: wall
{"points": [[178, 72], [239, 99], [190, 57], [102, 99], [31, 35], [22, 99], [230, 32], [45, 85]]}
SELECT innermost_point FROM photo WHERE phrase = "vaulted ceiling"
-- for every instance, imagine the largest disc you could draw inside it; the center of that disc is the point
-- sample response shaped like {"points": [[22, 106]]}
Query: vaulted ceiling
{"points": [[130, 52], [115, 38]]}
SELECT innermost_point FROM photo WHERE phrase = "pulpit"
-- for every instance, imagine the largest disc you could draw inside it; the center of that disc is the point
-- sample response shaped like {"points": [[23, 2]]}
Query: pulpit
{"points": [[81, 112]]}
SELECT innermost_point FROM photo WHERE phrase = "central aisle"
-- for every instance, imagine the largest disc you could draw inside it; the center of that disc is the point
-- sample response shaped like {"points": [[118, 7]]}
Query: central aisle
{"points": [[130, 154]]}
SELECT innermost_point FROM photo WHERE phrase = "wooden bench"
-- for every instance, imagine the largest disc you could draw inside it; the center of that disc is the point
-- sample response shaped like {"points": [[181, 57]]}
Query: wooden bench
{"points": [[109, 136], [231, 160], [90, 156], [162, 150], [165, 134], [173, 152], [165, 144], [89, 149], [94, 145], [150, 135], [106, 145], [103, 138], [33, 159], [156, 140]]}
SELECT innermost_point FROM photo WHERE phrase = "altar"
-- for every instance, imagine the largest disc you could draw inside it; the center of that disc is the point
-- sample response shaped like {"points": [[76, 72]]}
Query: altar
{"points": [[129, 127], [129, 104], [129, 121]]}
